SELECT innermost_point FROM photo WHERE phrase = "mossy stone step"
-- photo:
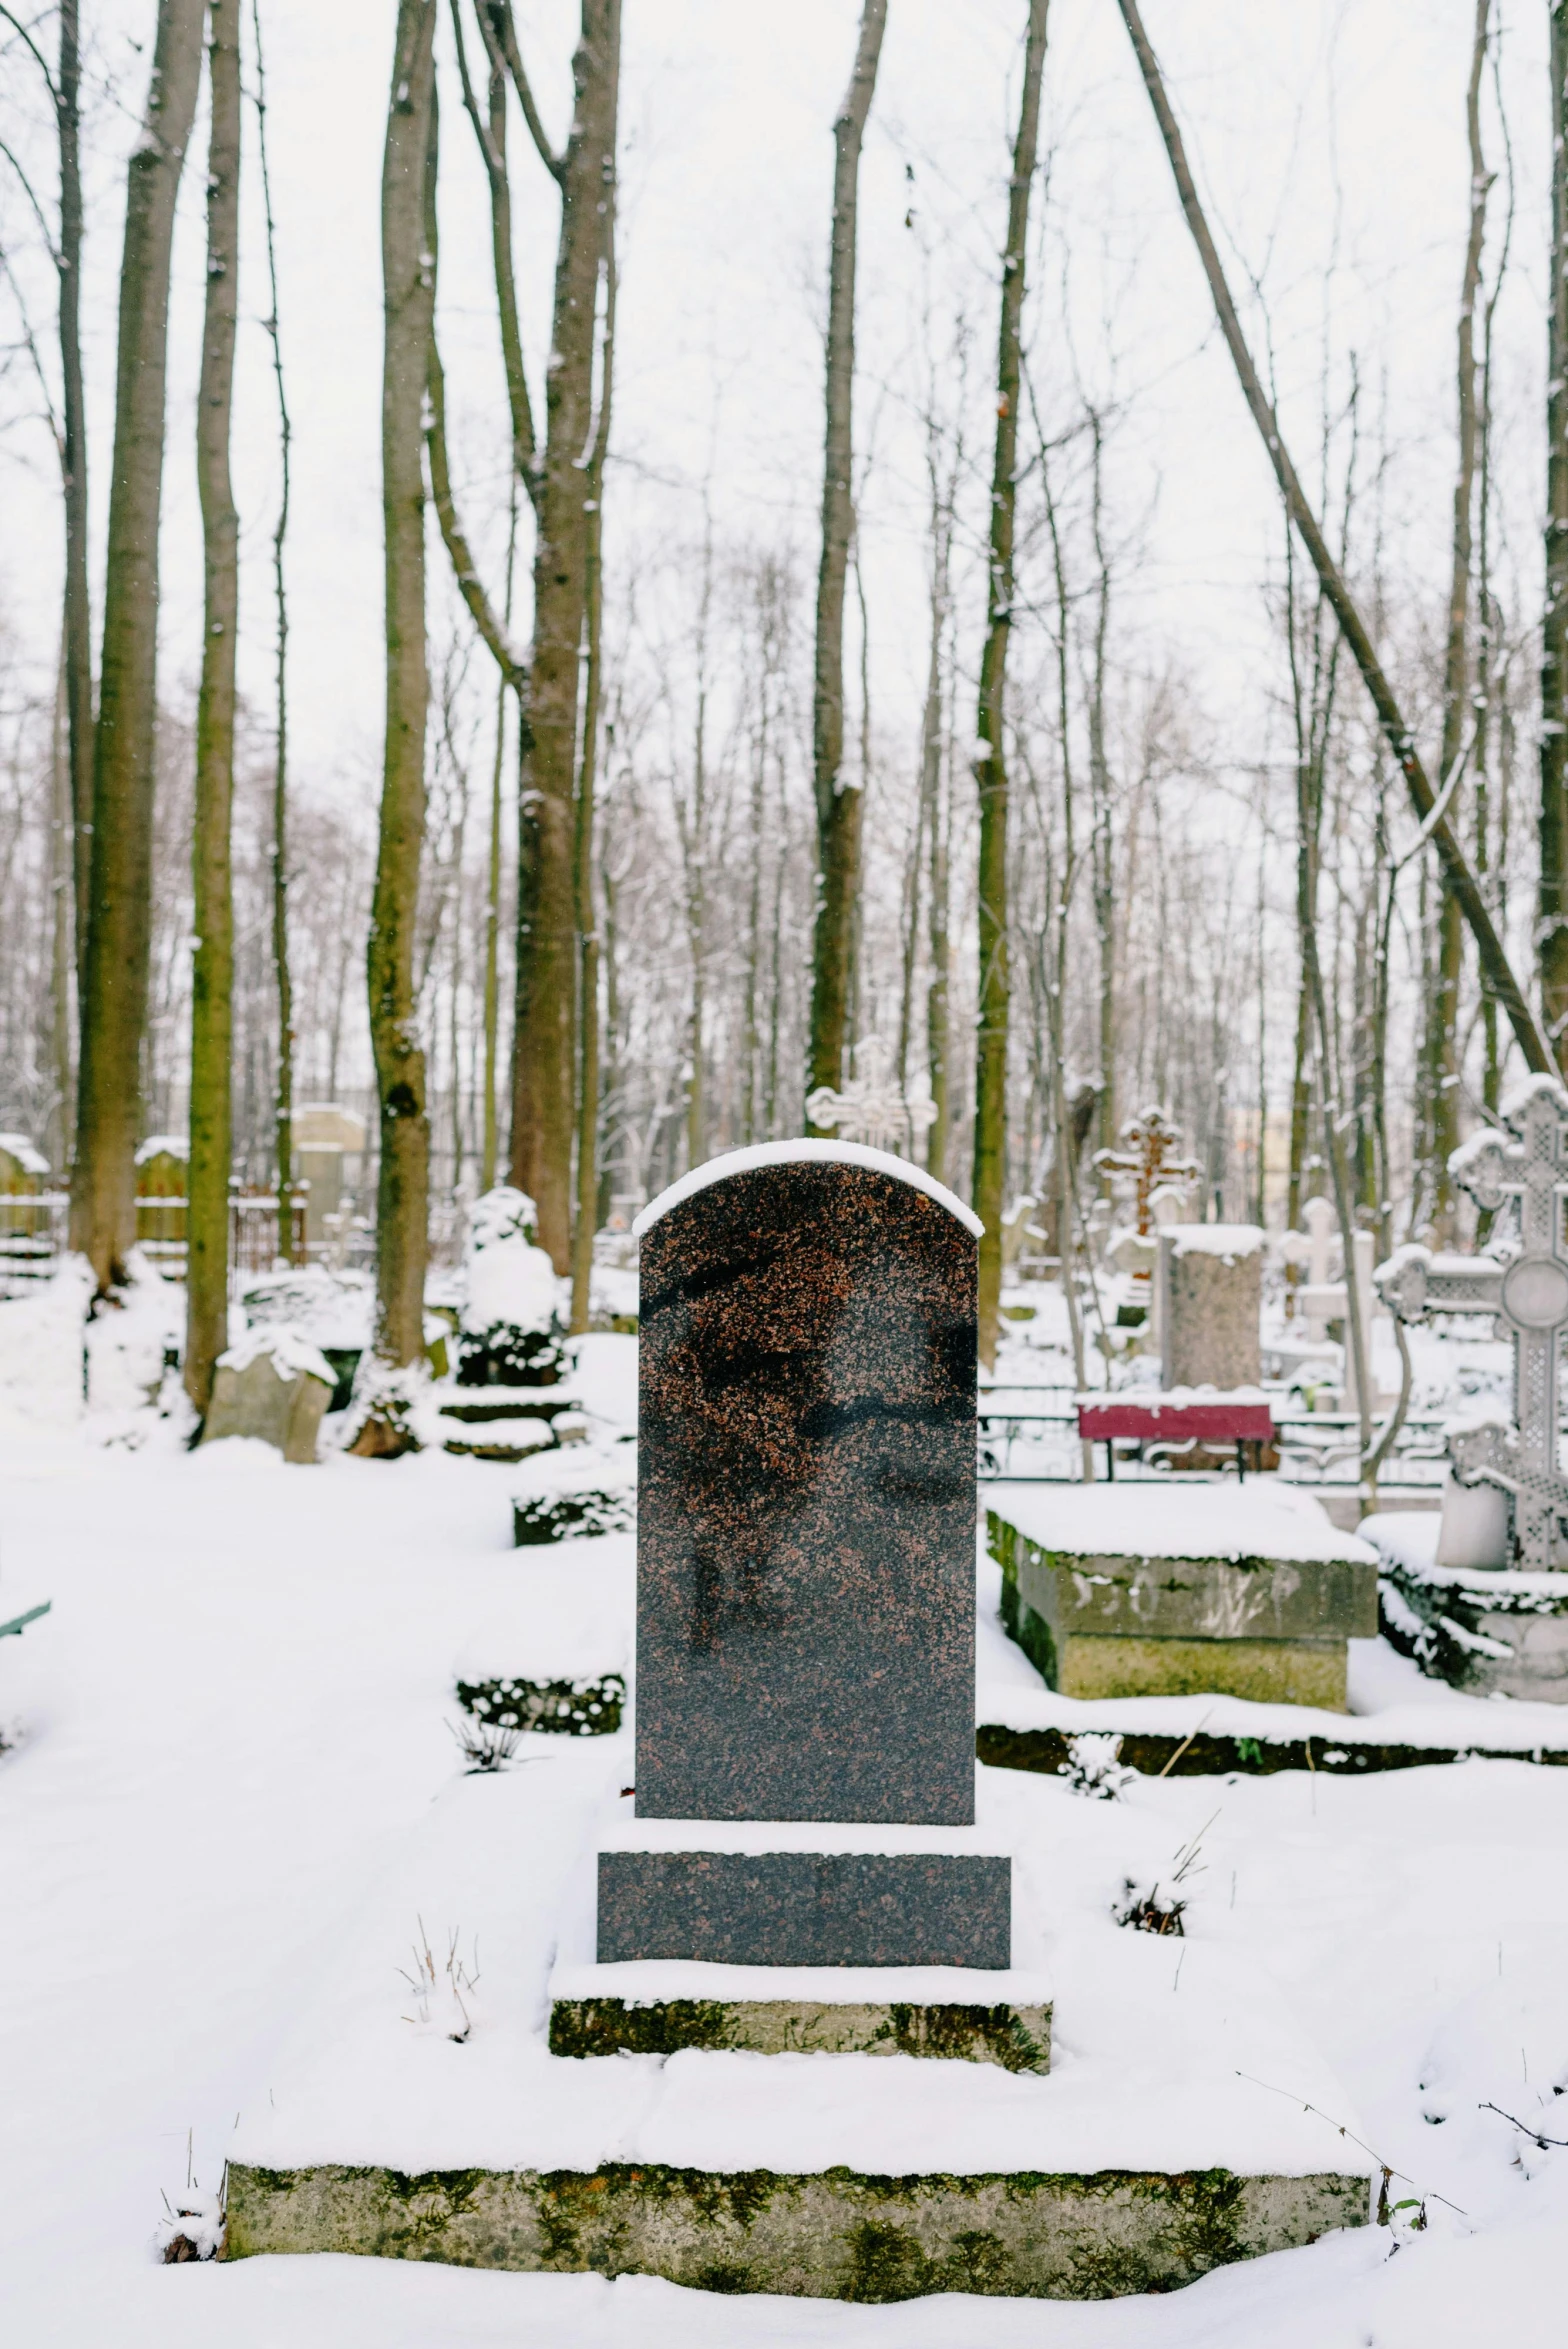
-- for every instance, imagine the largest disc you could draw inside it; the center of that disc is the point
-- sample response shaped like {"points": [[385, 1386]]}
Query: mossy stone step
{"points": [[829, 2235], [1018, 2038]]}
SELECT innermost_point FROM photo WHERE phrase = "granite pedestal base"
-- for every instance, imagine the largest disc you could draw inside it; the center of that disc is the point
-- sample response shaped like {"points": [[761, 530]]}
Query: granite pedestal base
{"points": [[1227, 1596], [805, 1908]]}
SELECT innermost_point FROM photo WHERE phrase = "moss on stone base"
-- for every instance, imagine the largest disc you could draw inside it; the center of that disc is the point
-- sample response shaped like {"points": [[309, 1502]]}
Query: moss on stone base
{"points": [[1018, 2038], [1269, 1671], [837, 2235]]}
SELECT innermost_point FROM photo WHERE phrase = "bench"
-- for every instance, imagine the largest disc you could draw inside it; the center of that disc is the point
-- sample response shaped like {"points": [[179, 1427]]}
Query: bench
{"points": [[1221, 1419]]}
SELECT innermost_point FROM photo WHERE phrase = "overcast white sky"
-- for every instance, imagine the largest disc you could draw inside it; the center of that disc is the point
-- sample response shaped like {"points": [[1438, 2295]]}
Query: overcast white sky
{"points": [[1322, 129]]}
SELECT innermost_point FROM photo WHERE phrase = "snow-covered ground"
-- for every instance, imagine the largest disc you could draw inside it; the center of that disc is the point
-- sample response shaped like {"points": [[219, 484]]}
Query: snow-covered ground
{"points": [[235, 1727]]}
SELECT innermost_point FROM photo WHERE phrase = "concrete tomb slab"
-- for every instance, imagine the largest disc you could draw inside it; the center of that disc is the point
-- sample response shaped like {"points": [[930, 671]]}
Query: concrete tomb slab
{"points": [[1147, 1592]]}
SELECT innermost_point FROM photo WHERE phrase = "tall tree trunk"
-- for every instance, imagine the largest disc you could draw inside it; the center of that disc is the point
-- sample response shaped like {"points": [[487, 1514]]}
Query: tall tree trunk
{"points": [[938, 1038], [212, 970], [491, 1141], [114, 990], [1552, 908], [587, 925], [78, 603], [1496, 971], [62, 835], [1441, 1053], [281, 971], [408, 265], [1102, 843], [838, 805], [545, 1065], [991, 771]]}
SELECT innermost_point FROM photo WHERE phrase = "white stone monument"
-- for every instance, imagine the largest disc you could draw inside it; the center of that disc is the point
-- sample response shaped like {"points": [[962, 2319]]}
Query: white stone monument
{"points": [[325, 1134], [870, 1108], [1528, 1291]]}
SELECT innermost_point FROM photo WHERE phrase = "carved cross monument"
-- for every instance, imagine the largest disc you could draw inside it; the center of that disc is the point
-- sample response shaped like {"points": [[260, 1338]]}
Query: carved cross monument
{"points": [[1148, 1154], [871, 1108], [1528, 1292]]}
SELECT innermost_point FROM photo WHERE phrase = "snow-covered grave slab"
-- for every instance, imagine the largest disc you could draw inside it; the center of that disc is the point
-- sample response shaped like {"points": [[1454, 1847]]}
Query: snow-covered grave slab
{"points": [[557, 1655], [1483, 1629], [1170, 2136], [1145, 1590], [1398, 1720], [564, 1495]]}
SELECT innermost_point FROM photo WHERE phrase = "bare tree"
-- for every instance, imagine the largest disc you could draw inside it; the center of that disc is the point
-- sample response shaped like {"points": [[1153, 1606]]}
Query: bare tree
{"points": [[1496, 971], [583, 850], [114, 992], [839, 807], [78, 604], [1440, 1058], [544, 1065], [408, 264], [990, 1159], [212, 971], [281, 970], [1552, 904]]}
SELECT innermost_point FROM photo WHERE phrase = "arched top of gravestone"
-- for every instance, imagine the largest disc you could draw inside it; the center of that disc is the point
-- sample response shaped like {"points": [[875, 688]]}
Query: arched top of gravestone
{"points": [[766, 1154]]}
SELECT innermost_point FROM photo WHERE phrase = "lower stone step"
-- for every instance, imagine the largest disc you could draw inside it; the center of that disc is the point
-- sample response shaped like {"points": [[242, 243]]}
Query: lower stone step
{"points": [[832, 2235], [1015, 2037]]}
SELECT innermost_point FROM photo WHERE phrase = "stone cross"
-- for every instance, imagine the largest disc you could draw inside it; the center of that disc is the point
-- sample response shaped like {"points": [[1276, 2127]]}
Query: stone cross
{"points": [[1323, 1300], [805, 1565], [1528, 1292], [871, 1108], [1148, 1154]]}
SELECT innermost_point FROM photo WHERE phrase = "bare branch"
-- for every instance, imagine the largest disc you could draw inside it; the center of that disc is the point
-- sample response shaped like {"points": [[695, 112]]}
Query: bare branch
{"points": [[469, 585], [499, 13]]}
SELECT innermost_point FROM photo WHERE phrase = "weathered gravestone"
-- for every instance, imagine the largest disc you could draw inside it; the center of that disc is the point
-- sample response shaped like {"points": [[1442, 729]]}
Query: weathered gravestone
{"points": [[1210, 1280], [805, 1571], [275, 1387]]}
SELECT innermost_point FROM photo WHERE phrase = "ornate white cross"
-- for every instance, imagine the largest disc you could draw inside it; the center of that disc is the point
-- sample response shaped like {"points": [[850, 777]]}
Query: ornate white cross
{"points": [[871, 1108], [1528, 1291]]}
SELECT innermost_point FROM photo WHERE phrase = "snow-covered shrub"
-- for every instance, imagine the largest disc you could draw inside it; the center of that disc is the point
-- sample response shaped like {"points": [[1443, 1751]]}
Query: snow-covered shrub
{"points": [[486, 1746], [443, 1999], [1151, 1911], [1162, 1907], [191, 2228], [382, 1418], [509, 1334], [1093, 1766]]}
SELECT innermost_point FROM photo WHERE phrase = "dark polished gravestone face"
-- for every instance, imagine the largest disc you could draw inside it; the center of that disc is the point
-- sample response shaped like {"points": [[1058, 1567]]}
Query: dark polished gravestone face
{"points": [[806, 1504]]}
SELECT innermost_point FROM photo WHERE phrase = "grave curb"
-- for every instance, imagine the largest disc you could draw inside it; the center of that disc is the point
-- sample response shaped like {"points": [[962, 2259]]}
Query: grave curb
{"points": [[1013, 2036], [834, 2235]]}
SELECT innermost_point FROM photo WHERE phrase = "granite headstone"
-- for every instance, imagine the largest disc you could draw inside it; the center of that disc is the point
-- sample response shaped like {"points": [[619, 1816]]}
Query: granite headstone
{"points": [[805, 1559], [1210, 1278]]}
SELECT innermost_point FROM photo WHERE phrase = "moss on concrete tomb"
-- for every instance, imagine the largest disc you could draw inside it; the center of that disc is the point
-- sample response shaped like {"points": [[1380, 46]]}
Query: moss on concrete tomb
{"points": [[835, 2235]]}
